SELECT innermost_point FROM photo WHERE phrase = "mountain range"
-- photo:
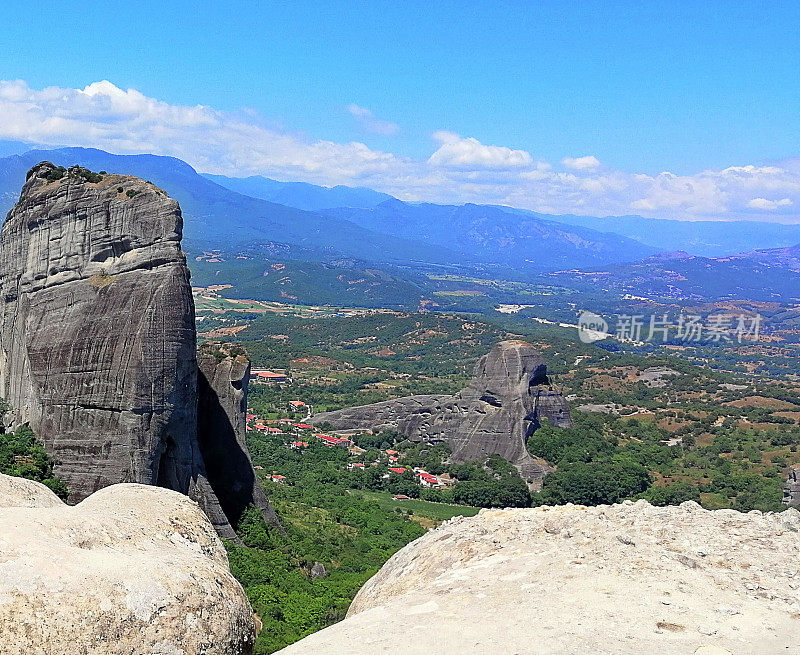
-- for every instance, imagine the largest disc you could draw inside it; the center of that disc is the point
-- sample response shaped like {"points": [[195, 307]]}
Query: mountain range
{"points": [[763, 275], [702, 238], [300, 194], [219, 217]]}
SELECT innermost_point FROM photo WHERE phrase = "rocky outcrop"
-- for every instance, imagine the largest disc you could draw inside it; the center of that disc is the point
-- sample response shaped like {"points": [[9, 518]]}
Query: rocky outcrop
{"points": [[98, 343], [503, 405], [97, 329], [619, 580], [223, 374], [130, 569]]}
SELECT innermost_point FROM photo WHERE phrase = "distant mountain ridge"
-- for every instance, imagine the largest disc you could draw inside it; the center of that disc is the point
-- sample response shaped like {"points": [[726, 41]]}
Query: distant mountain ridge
{"points": [[760, 275], [215, 216], [496, 235], [702, 238], [391, 232], [300, 194]]}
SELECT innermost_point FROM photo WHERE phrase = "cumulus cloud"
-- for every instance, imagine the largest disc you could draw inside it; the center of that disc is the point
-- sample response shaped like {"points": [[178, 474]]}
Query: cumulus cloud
{"points": [[126, 121], [371, 124], [458, 152], [587, 163], [769, 205], [461, 169]]}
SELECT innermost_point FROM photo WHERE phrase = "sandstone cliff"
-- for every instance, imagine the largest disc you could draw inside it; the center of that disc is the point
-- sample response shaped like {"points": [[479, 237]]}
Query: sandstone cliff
{"points": [[503, 405], [131, 569], [618, 580], [97, 329], [98, 344]]}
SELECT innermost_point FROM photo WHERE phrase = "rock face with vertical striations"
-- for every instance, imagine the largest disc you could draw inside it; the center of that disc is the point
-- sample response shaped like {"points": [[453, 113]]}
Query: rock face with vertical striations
{"points": [[223, 374], [503, 405], [97, 335]]}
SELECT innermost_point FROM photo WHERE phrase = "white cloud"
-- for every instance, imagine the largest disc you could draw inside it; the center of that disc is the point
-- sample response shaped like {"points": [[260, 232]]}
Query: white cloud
{"points": [[104, 116], [461, 169], [769, 205], [588, 163], [459, 152], [371, 124]]}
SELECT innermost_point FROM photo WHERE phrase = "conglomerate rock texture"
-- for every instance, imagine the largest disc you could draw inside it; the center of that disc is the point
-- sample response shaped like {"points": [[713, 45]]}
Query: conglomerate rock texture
{"points": [[130, 570], [223, 374], [98, 344], [624, 579], [503, 405]]}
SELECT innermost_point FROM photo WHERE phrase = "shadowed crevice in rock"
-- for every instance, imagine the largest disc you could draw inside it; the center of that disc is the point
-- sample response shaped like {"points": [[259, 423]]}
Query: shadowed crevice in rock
{"points": [[223, 374]]}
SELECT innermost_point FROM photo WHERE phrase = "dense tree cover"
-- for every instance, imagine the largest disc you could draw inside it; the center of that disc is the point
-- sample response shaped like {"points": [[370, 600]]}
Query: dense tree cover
{"points": [[351, 537], [323, 522], [604, 459], [23, 456]]}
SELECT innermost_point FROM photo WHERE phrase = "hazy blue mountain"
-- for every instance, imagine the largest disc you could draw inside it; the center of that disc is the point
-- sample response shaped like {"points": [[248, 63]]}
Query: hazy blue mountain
{"points": [[762, 275], [215, 216], [705, 238], [300, 194], [496, 235]]}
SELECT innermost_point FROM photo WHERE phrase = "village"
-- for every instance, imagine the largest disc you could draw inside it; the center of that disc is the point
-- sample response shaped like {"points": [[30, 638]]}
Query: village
{"points": [[299, 436]]}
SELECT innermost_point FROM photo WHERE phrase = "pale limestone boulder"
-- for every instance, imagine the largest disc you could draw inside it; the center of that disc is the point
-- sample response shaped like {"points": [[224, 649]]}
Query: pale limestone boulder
{"points": [[627, 579], [131, 570]]}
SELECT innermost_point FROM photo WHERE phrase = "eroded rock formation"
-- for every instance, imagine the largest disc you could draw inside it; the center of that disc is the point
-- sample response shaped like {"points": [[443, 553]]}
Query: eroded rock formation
{"points": [[130, 569], [223, 374], [98, 344], [504, 403], [97, 329], [619, 580]]}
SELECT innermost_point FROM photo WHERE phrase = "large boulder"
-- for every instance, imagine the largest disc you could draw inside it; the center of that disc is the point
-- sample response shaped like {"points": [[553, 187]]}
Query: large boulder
{"points": [[505, 402], [131, 570], [614, 580]]}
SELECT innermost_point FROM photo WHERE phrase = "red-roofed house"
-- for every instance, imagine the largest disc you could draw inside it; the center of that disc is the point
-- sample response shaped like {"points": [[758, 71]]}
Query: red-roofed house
{"points": [[355, 465], [330, 441], [278, 478], [397, 470], [270, 377], [427, 480]]}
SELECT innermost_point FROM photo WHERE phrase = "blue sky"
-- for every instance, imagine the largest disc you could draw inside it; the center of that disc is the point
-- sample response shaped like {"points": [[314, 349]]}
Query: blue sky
{"points": [[641, 87]]}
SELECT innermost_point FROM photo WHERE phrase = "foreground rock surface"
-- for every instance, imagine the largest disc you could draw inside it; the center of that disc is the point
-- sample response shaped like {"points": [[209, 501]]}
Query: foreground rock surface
{"points": [[131, 570], [620, 580], [503, 405]]}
